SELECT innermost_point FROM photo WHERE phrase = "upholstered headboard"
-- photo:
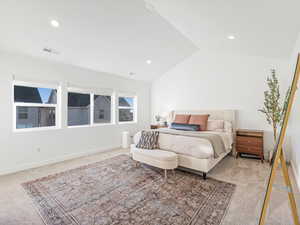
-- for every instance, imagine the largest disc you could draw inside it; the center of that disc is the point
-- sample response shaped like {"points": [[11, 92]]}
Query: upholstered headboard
{"points": [[228, 115]]}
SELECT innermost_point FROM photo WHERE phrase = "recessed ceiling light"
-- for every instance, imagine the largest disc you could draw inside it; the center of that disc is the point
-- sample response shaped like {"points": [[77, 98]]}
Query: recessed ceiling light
{"points": [[148, 61], [54, 23], [231, 37]]}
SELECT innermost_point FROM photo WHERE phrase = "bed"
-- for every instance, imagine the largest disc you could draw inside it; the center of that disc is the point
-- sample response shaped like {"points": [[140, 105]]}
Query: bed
{"points": [[195, 152]]}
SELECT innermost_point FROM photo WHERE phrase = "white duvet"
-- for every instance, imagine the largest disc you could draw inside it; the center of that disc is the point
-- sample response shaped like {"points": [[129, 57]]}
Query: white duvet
{"points": [[191, 146]]}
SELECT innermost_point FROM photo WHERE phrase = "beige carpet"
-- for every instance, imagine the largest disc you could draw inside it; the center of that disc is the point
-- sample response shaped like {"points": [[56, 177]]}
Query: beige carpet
{"points": [[114, 191], [250, 177]]}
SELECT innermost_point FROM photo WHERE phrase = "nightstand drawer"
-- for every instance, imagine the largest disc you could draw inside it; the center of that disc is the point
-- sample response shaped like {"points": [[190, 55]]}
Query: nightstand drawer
{"points": [[249, 149], [249, 141]]}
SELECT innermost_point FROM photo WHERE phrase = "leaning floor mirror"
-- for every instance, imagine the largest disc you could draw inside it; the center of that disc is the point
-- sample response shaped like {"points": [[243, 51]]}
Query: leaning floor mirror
{"points": [[278, 156]]}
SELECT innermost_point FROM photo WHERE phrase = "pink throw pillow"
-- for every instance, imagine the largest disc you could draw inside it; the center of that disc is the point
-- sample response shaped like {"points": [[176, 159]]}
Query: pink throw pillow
{"points": [[199, 120], [180, 118]]}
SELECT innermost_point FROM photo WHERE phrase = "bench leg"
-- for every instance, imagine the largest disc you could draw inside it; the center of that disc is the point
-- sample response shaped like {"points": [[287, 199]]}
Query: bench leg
{"points": [[204, 176], [166, 177], [173, 172], [137, 164]]}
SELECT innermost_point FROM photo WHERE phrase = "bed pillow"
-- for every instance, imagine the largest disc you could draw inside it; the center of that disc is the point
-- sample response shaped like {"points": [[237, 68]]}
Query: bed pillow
{"points": [[228, 127], [148, 140], [181, 118], [215, 125], [188, 127], [200, 120]]}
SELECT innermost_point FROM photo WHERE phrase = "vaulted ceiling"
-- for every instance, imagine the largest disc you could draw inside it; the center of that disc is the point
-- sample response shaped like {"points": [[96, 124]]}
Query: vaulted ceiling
{"points": [[115, 36], [266, 28], [119, 36]]}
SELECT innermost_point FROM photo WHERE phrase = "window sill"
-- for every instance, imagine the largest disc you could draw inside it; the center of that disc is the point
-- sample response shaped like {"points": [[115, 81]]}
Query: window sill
{"points": [[92, 125], [26, 130], [79, 126], [102, 124], [131, 122]]}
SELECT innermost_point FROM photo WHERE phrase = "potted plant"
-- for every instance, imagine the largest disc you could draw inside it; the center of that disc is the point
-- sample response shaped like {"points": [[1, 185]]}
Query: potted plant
{"points": [[157, 119], [274, 107]]}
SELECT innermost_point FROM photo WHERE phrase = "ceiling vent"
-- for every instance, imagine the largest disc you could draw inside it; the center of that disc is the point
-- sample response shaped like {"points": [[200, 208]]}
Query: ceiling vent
{"points": [[50, 51]]}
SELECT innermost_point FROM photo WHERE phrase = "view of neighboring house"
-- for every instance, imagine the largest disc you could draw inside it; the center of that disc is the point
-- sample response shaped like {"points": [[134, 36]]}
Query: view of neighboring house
{"points": [[30, 117], [78, 108], [125, 114], [102, 109]]}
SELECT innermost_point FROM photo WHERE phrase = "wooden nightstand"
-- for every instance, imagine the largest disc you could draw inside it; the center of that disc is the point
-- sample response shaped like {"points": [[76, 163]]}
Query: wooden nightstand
{"points": [[158, 126], [250, 142]]}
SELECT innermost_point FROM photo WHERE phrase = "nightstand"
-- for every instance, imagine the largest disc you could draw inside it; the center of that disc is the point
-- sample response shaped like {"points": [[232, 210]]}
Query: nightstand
{"points": [[250, 142], [156, 126]]}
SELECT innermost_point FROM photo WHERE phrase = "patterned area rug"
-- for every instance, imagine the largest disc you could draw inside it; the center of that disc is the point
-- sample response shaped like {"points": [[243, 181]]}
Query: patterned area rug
{"points": [[115, 192]]}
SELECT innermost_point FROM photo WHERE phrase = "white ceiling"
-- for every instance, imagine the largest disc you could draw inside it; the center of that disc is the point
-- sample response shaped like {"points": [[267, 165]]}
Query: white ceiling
{"points": [[118, 36], [262, 27], [104, 35]]}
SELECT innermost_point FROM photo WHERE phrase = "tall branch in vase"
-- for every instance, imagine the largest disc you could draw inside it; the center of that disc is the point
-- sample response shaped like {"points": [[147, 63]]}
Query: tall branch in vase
{"points": [[273, 107]]}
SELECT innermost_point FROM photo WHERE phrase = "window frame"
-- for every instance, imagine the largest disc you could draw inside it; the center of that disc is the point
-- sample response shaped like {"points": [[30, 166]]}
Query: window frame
{"points": [[134, 107], [92, 94], [27, 104]]}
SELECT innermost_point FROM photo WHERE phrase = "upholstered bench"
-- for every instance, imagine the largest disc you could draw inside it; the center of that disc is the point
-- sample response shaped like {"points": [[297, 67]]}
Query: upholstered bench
{"points": [[158, 158]]}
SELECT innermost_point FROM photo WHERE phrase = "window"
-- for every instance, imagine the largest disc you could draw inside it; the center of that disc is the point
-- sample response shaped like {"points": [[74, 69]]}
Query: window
{"points": [[102, 109], [78, 109], [126, 109], [34, 106]]}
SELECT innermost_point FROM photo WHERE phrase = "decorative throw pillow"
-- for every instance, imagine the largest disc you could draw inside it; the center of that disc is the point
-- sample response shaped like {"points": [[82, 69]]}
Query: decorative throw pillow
{"points": [[148, 140], [199, 120], [188, 127], [181, 118]]}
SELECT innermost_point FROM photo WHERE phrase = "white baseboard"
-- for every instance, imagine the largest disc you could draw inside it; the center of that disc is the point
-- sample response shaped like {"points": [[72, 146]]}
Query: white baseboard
{"points": [[55, 160], [296, 175]]}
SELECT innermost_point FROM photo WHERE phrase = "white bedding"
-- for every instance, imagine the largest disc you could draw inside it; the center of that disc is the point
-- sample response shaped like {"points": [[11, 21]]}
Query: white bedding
{"points": [[191, 146]]}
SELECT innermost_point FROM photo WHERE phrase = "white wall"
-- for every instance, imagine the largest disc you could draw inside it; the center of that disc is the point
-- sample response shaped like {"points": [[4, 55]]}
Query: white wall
{"points": [[218, 81], [20, 150], [294, 123]]}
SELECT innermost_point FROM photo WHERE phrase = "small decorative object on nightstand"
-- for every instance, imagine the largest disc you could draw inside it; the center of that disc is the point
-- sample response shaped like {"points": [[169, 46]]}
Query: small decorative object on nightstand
{"points": [[250, 142], [156, 126]]}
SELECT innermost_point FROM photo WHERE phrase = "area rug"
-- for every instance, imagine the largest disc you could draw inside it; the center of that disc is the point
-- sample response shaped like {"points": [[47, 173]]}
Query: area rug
{"points": [[116, 192]]}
